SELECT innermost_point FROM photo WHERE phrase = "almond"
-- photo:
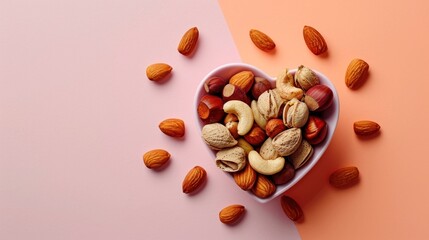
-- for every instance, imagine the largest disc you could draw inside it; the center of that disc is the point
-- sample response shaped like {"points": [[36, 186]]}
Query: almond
{"points": [[344, 177], [263, 187], [156, 158], [366, 128], [314, 40], [173, 127], [231, 214], [194, 179], [262, 40], [189, 41], [244, 80], [291, 208], [356, 73], [158, 71], [246, 178]]}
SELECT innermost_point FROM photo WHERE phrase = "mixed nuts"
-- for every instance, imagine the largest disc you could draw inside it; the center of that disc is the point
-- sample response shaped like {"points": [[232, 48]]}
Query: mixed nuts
{"points": [[263, 132]]}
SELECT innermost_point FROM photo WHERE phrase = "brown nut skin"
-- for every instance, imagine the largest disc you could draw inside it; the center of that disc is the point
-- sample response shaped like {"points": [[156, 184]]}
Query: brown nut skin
{"points": [[261, 40], [314, 40], [210, 109], [366, 128], [156, 158], [344, 177], [285, 175], [263, 187], [245, 178], [230, 117], [188, 42], [319, 98], [173, 127], [232, 214], [356, 73], [233, 129], [261, 85], [215, 85], [232, 92], [244, 80], [194, 179], [256, 136], [158, 71], [274, 126], [315, 130], [291, 208]]}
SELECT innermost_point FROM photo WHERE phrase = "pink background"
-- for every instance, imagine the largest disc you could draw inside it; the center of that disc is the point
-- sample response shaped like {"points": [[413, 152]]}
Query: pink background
{"points": [[77, 113]]}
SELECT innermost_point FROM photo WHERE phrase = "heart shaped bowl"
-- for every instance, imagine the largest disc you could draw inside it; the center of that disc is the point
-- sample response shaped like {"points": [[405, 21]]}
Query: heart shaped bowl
{"points": [[330, 115]]}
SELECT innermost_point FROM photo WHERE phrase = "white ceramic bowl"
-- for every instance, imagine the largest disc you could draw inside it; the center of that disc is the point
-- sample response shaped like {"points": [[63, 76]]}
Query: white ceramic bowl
{"points": [[330, 116]]}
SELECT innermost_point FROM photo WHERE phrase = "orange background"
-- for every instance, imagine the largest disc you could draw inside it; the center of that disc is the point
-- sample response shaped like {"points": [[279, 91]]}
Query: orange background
{"points": [[390, 202]]}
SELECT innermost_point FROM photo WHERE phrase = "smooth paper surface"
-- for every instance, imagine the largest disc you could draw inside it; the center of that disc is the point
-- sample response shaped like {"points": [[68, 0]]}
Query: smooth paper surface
{"points": [[77, 113], [390, 201]]}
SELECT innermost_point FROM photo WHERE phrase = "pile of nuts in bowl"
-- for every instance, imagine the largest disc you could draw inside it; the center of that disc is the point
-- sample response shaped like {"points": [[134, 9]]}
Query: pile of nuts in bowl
{"points": [[263, 131]]}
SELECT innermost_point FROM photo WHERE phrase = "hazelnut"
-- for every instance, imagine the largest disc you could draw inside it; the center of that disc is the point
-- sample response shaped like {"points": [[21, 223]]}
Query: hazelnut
{"points": [[315, 130], [256, 136], [261, 85], [274, 126], [319, 98], [214, 85], [230, 117], [210, 109], [232, 127], [232, 92], [285, 175]]}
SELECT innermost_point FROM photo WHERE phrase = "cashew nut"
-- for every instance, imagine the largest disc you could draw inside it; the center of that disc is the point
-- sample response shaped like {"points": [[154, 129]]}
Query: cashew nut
{"points": [[259, 119], [243, 113], [287, 90], [266, 167]]}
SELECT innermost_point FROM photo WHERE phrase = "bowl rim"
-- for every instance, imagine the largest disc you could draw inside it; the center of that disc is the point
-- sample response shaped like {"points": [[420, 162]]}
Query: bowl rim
{"points": [[332, 113]]}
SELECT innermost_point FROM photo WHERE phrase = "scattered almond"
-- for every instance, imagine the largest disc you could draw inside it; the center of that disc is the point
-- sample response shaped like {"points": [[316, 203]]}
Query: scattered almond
{"points": [[263, 187], [231, 214], [158, 71], [356, 72], [173, 127], [156, 158], [262, 40], [189, 41], [245, 178], [194, 179], [366, 128], [314, 40], [291, 208], [344, 177]]}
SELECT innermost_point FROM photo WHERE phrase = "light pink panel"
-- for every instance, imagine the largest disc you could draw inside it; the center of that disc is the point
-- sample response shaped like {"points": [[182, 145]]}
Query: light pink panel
{"points": [[77, 112]]}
